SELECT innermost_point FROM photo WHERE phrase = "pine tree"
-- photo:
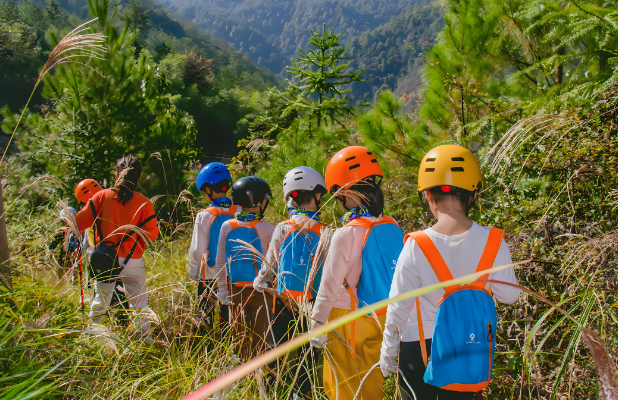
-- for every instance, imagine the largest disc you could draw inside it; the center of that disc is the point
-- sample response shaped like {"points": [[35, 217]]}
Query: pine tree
{"points": [[118, 106], [321, 71]]}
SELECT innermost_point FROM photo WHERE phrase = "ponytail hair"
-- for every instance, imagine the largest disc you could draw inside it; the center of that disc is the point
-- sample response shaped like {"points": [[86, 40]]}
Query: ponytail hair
{"points": [[372, 197], [129, 171]]}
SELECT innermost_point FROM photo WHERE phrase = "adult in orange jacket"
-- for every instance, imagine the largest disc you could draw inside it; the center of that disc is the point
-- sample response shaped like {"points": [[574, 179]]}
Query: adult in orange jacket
{"points": [[117, 207]]}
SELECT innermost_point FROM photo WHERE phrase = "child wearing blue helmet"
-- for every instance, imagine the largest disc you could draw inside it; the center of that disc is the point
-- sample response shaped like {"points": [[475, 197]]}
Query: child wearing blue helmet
{"points": [[214, 180]]}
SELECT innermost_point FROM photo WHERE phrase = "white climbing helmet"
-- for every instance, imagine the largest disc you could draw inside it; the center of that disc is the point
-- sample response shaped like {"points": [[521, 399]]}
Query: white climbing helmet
{"points": [[303, 178]]}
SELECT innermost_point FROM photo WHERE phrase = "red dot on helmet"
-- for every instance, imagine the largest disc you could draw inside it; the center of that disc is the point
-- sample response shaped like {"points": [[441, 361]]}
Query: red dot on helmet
{"points": [[446, 189], [224, 188], [294, 193]]}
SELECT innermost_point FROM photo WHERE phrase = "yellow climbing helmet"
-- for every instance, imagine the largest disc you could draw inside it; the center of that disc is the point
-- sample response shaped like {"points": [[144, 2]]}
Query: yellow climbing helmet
{"points": [[450, 165]]}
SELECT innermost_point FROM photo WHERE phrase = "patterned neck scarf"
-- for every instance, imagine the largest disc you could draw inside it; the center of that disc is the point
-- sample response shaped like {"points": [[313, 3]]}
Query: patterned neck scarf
{"points": [[246, 216], [355, 213], [314, 215], [222, 202]]}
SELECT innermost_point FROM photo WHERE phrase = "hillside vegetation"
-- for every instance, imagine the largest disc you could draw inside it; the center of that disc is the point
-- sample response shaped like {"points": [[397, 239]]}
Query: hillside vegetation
{"points": [[384, 36], [529, 86]]}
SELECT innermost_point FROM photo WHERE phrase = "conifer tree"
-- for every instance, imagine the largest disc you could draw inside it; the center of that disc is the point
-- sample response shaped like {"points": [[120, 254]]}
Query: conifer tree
{"points": [[118, 106], [321, 71]]}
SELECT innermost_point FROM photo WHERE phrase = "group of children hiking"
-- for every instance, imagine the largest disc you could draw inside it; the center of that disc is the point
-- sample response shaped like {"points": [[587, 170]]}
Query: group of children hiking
{"points": [[440, 344]]}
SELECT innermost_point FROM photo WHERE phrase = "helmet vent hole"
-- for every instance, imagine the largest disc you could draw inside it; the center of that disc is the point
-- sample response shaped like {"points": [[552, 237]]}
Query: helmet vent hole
{"points": [[216, 167], [350, 159], [430, 169], [354, 166], [299, 172], [430, 159], [370, 153], [457, 169], [299, 178], [458, 159], [217, 172], [375, 160]]}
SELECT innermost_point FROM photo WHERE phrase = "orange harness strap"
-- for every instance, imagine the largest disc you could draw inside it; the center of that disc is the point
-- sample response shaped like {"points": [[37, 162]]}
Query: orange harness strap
{"points": [[353, 301], [433, 256]]}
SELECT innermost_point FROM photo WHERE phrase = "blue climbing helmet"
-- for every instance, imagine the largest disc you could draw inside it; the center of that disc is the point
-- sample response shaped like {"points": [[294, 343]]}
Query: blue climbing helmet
{"points": [[213, 174]]}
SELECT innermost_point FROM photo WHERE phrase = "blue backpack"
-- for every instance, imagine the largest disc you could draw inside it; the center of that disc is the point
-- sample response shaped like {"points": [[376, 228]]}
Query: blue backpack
{"points": [[381, 248], [298, 249], [463, 345], [219, 217], [242, 264]]}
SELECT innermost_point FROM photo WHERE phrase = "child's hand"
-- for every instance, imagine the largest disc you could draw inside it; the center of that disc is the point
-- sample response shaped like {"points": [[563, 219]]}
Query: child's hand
{"points": [[224, 298], [319, 341], [259, 286], [387, 365]]}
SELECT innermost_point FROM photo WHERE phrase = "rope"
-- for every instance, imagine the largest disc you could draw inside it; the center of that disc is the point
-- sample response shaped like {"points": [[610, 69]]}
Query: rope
{"points": [[406, 381], [363, 381], [334, 375]]}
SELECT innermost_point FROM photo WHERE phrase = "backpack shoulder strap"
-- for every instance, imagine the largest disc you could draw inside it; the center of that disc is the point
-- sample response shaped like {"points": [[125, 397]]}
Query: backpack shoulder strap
{"points": [[316, 228], [141, 224], [96, 222], [234, 223], [494, 241], [370, 224], [433, 256], [214, 211], [293, 226]]}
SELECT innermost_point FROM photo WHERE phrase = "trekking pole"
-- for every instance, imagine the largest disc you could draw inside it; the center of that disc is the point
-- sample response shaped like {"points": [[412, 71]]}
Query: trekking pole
{"points": [[81, 277], [81, 285]]}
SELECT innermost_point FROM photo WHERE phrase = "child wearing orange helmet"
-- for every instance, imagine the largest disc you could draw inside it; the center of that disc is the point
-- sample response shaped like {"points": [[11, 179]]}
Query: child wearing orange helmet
{"points": [[357, 272]]}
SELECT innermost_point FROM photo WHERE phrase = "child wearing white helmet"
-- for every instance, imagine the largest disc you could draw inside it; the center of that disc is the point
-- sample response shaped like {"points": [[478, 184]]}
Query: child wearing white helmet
{"points": [[442, 343], [291, 257]]}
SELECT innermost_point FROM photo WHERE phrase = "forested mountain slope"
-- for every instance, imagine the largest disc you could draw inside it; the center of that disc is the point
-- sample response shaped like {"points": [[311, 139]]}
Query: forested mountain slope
{"points": [[270, 32], [391, 54], [216, 98]]}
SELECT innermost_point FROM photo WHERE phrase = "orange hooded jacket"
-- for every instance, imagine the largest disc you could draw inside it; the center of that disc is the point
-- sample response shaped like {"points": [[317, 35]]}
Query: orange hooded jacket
{"points": [[112, 215]]}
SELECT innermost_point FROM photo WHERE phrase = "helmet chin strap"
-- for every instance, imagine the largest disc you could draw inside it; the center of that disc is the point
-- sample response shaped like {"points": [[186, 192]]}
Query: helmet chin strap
{"points": [[263, 209], [317, 202]]}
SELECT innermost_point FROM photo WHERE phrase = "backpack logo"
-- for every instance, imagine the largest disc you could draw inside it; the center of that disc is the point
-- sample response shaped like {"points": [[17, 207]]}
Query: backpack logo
{"points": [[472, 341]]}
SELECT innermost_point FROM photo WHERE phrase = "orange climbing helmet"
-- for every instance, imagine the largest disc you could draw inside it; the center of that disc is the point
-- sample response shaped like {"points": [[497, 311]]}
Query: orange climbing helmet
{"points": [[349, 166], [86, 189]]}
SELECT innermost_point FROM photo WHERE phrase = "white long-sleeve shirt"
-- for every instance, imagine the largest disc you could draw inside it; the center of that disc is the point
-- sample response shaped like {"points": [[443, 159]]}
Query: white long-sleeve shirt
{"points": [[265, 232], [269, 267], [461, 253], [344, 261], [199, 245]]}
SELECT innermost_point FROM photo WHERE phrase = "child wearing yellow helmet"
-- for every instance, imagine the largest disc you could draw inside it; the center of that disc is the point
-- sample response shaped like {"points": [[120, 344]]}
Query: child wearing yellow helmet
{"points": [[440, 356], [358, 271]]}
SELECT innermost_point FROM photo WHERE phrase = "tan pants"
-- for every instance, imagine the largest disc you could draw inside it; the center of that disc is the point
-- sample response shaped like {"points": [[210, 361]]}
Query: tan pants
{"points": [[348, 372], [249, 320]]}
